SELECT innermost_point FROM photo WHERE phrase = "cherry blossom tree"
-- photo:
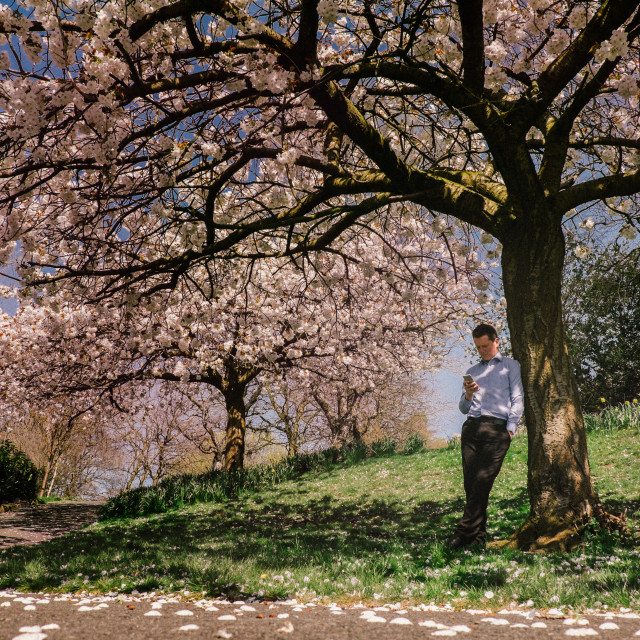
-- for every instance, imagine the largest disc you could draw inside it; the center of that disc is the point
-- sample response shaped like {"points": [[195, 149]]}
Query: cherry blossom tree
{"points": [[326, 319], [143, 140]]}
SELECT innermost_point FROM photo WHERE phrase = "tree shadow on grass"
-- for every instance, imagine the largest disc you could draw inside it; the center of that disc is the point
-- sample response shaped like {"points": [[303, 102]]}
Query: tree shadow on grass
{"points": [[272, 533], [284, 530]]}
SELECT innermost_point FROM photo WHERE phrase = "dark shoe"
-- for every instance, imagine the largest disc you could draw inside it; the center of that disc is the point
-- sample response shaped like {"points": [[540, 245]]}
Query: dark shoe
{"points": [[456, 542]]}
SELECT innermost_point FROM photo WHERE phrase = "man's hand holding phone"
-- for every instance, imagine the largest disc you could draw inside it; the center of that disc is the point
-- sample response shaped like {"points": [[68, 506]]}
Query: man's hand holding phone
{"points": [[470, 386]]}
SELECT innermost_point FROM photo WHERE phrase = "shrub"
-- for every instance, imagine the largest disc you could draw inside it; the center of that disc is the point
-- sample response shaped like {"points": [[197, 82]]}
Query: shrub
{"points": [[453, 442], [625, 416], [18, 475], [413, 444], [353, 452], [383, 448]]}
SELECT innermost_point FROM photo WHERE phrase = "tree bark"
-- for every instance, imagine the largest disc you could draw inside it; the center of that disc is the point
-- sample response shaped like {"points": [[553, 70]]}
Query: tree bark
{"points": [[236, 426], [561, 493]]}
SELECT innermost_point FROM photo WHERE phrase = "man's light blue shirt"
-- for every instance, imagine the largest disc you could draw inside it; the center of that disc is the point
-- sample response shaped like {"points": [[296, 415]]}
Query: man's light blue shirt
{"points": [[500, 394]]}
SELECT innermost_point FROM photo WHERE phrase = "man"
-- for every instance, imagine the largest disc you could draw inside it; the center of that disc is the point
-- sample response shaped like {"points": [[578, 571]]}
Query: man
{"points": [[493, 401]]}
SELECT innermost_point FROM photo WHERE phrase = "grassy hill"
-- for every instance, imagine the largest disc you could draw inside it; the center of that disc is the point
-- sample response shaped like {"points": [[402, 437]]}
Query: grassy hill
{"points": [[350, 530]]}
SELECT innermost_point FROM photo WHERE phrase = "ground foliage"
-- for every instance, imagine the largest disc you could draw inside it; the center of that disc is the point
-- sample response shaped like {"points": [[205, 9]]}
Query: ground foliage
{"points": [[371, 529]]}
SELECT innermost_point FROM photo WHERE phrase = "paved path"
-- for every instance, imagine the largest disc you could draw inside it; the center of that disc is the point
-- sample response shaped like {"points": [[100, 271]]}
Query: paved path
{"points": [[42, 522], [72, 617]]}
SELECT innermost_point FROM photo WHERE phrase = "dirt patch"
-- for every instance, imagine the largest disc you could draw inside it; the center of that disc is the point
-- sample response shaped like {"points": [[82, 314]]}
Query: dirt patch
{"points": [[32, 524]]}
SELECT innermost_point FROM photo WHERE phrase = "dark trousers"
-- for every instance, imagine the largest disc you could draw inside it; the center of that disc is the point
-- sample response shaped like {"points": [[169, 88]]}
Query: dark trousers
{"points": [[484, 443]]}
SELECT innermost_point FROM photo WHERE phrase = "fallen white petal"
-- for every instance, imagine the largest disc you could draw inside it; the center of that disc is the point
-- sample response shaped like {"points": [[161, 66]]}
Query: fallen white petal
{"points": [[224, 634], [184, 612], [375, 619], [519, 625], [246, 607], [212, 608], [539, 625], [153, 612], [31, 636], [283, 615], [444, 632], [400, 621], [50, 627], [496, 621], [5, 604], [228, 616], [432, 624], [156, 605], [84, 607], [461, 627], [189, 627], [609, 625], [30, 607], [34, 629], [581, 632], [288, 627]]}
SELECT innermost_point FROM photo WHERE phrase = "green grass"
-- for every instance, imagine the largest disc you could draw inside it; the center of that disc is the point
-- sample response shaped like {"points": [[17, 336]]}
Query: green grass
{"points": [[356, 529]]}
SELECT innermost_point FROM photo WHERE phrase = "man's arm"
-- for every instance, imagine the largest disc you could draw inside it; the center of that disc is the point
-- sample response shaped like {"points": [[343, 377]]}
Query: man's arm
{"points": [[516, 392], [470, 387]]}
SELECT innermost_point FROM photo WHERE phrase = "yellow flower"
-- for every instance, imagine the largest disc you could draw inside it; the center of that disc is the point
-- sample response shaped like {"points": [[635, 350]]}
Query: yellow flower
{"points": [[626, 402], [635, 401], [602, 400]]}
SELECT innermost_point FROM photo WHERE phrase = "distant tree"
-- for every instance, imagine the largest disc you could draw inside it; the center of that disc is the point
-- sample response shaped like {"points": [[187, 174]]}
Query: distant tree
{"points": [[68, 447], [150, 440], [602, 316]]}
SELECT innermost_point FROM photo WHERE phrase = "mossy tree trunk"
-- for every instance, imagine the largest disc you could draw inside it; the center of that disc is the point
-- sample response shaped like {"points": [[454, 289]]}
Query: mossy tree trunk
{"points": [[559, 481]]}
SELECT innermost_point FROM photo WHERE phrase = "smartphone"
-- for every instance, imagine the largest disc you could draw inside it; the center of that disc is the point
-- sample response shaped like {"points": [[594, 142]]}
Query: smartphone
{"points": [[467, 378]]}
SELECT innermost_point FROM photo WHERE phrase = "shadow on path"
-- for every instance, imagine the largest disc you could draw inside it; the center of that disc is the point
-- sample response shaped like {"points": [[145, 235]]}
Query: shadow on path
{"points": [[37, 523]]}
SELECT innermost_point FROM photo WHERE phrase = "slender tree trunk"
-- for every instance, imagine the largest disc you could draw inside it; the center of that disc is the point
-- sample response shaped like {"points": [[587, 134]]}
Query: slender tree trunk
{"points": [[53, 479], [561, 493], [236, 426], [45, 480]]}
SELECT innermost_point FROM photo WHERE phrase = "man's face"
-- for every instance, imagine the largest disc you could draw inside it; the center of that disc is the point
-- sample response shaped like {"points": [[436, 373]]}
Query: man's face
{"points": [[486, 347]]}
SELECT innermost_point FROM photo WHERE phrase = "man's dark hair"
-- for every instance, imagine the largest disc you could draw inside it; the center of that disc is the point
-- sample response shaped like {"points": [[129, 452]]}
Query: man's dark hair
{"points": [[485, 330]]}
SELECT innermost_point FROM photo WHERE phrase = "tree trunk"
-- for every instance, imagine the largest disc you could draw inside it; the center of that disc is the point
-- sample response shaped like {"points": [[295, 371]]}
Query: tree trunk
{"points": [[236, 427], [45, 480], [561, 493], [53, 479]]}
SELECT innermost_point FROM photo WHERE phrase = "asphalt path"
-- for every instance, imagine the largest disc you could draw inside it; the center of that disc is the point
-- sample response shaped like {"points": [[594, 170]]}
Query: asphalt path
{"points": [[150, 617], [33, 524]]}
